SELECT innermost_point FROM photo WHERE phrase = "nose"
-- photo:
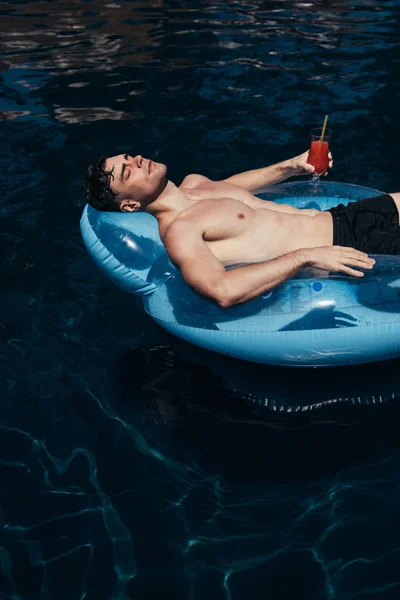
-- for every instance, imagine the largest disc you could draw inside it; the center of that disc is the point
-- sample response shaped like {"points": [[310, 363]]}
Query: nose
{"points": [[138, 160]]}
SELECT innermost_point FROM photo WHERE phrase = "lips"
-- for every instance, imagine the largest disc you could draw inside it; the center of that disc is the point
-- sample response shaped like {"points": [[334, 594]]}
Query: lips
{"points": [[150, 165]]}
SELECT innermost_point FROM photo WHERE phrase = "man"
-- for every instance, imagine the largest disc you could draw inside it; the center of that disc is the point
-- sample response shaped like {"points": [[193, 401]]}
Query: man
{"points": [[205, 224]]}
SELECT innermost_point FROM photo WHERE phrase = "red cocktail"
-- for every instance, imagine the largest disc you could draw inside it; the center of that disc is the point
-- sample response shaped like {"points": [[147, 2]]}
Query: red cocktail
{"points": [[318, 154]]}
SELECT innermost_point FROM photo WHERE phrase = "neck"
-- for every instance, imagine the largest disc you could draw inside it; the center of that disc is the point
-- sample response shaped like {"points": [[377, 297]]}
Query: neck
{"points": [[171, 201]]}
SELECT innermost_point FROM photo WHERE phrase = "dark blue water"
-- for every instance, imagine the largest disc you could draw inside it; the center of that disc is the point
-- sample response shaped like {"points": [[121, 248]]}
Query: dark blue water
{"points": [[133, 466]]}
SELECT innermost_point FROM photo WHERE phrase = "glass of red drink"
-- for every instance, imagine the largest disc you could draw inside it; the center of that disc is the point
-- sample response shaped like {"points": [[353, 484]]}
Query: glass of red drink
{"points": [[318, 154]]}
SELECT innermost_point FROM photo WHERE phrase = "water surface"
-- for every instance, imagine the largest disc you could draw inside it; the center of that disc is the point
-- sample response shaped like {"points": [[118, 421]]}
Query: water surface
{"points": [[134, 466]]}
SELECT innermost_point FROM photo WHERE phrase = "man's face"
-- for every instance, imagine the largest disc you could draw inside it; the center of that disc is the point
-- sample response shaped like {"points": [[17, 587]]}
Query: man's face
{"points": [[138, 181]]}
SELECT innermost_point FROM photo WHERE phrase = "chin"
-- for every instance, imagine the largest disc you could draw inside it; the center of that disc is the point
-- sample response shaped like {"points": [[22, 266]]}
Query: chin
{"points": [[162, 174], [163, 169]]}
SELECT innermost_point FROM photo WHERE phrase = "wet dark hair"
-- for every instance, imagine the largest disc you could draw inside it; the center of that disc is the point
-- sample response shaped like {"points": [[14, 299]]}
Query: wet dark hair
{"points": [[98, 191]]}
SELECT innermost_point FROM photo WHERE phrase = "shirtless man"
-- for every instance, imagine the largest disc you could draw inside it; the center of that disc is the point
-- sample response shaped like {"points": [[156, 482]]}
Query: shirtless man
{"points": [[205, 224]]}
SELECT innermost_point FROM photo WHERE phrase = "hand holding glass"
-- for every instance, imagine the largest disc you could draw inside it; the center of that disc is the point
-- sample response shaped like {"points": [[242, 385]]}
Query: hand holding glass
{"points": [[319, 150]]}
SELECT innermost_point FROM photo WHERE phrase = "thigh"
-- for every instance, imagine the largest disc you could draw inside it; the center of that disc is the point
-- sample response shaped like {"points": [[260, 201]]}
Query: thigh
{"points": [[384, 206], [396, 199], [370, 225], [381, 242]]}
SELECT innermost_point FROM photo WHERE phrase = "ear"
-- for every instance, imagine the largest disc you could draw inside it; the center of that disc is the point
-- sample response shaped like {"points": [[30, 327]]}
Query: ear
{"points": [[129, 205]]}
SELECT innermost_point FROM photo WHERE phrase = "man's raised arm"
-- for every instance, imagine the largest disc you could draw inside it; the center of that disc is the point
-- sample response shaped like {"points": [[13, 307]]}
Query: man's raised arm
{"points": [[257, 180], [203, 272]]}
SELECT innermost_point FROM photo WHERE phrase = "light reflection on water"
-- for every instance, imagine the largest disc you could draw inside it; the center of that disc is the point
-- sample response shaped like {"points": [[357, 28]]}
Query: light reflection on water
{"points": [[133, 466], [75, 39]]}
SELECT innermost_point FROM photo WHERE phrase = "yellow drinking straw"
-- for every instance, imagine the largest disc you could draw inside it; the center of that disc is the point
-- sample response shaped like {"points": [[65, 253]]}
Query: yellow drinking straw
{"points": [[323, 129]]}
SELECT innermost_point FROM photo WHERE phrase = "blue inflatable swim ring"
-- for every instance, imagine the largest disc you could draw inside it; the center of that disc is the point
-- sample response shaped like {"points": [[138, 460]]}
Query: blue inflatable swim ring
{"points": [[315, 319]]}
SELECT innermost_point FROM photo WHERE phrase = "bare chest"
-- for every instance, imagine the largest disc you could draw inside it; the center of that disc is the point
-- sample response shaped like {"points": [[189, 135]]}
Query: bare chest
{"points": [[225, 219], [232, 230]]}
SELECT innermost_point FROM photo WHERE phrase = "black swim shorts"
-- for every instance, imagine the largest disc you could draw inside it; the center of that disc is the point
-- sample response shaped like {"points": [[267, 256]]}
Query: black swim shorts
{"points": [[370, 225]]}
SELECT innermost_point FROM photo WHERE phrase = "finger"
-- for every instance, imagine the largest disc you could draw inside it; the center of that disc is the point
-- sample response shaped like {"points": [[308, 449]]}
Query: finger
{"points": [[354, 252], [349, 251], [360, 256], [354, 262], [352, 272], [330, 155], [365, 264]]}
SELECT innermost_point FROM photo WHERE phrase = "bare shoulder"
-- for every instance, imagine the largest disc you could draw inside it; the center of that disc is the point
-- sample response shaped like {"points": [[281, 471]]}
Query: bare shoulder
{"points": [[185, 226], [183, 238], [193, 180]]}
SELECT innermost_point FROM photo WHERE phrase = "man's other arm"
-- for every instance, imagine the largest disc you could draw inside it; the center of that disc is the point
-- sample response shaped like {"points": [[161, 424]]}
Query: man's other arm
{"points": [[205, 274], [257, 180]]}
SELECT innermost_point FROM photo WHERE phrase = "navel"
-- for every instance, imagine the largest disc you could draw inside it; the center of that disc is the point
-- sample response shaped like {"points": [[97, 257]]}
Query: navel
{"points": [[240, 216]]}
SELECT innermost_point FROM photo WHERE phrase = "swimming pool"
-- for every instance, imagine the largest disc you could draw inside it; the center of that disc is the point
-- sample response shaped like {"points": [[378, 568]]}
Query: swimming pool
{"points": [[133, 467]]}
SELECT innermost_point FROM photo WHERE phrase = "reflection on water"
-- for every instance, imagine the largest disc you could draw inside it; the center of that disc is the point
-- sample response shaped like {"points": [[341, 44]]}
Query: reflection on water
{"points": [[204, 379], [134, 466], [115, 51], [174, 385]]}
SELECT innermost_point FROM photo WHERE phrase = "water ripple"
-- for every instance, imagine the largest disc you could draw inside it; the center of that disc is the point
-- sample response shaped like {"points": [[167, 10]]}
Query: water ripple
{"points": [[131, 468]]}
